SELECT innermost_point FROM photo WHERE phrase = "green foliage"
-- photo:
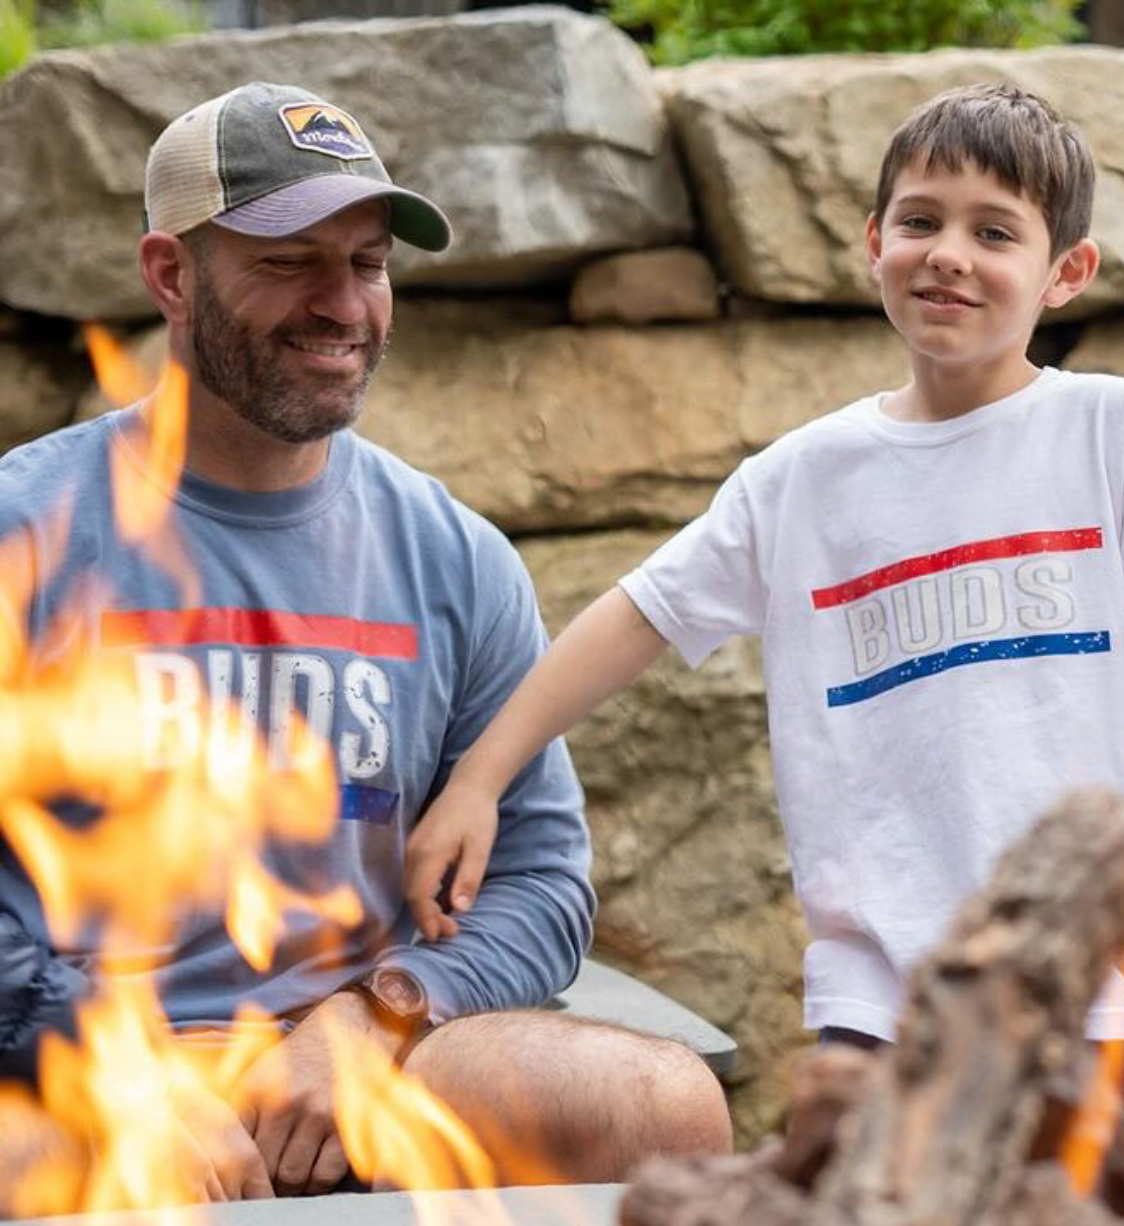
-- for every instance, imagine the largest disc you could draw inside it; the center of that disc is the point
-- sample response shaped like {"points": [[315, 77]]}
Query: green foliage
{"points": [[118, 21], [26, 29], [17, 34], [684, 30]]}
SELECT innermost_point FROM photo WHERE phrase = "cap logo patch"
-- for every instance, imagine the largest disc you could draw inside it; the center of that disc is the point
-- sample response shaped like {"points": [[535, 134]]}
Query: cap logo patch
{"points": [[327, 129]]}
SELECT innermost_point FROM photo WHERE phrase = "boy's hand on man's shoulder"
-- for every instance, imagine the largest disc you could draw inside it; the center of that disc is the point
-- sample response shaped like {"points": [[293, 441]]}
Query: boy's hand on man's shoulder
{"points": [[454, 837]]}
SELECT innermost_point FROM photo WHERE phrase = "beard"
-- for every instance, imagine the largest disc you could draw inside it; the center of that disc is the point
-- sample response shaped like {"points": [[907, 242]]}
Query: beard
{"points": [[244, 368]]}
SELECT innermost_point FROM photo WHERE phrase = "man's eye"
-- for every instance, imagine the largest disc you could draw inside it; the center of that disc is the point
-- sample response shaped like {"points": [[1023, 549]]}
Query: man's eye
{"points": [[371, 267], [281, 263]]}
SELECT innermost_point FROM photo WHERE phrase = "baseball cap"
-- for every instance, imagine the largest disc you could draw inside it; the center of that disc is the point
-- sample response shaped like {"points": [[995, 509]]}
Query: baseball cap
{"points": [[269, 160]]}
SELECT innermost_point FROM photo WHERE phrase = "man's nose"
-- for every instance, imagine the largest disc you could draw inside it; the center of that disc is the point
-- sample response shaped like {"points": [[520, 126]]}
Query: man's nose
{"points": [[338, 294]]}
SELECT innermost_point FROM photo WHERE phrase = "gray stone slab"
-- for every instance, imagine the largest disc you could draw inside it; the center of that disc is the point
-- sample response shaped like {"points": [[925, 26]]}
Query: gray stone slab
{"points": [[537, 129], [576, 1205], [609, 995]]}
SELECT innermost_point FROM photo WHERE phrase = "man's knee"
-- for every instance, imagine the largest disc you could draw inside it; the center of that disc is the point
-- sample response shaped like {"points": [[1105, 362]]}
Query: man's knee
{"points": [[555, 1097]]}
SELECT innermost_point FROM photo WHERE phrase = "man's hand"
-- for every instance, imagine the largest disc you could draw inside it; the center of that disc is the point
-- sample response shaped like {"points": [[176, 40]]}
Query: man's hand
{"points": [[216, 1155], [456, 833], [286, 1099]]}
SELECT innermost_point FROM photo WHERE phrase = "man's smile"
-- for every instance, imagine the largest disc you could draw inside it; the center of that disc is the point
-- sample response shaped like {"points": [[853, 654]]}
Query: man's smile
{"points": [[326, 349]]}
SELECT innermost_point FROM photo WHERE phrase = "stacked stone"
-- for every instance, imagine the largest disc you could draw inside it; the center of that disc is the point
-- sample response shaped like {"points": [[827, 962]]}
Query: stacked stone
{"points": [[655, 274]]}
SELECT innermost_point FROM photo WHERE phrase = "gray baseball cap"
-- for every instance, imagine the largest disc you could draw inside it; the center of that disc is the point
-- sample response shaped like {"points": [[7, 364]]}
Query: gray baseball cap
{"points": [[270, 160]]}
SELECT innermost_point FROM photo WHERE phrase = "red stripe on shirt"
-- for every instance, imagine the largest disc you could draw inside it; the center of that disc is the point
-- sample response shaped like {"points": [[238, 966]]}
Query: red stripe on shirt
{"points": [[946, 559], [257, 628]]}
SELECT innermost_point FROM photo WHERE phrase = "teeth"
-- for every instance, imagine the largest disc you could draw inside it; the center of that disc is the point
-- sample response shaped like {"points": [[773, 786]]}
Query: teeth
{"points": [[321, 347], [930, 296]]}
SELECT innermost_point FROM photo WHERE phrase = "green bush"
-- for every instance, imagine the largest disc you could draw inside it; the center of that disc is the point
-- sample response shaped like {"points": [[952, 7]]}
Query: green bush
{"points": [[26, 29], [120, 21], [684, 30], [17, 34]]}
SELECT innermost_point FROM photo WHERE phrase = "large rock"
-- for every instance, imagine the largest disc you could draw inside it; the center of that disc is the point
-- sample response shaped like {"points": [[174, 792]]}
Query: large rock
{"points": [[552, 426], [668, 284], [39, 390], [538, 129], [784, 154], [539, 425], [1100, 348], [690, 863]]}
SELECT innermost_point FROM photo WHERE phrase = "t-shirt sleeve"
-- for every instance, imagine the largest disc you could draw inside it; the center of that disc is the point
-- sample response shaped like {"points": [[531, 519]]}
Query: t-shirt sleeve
{"points": [[533, 919], [704, 585]]}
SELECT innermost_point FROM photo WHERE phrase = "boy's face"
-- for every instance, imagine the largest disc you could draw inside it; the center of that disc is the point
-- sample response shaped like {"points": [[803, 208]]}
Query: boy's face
{"points": [[964, 266]]}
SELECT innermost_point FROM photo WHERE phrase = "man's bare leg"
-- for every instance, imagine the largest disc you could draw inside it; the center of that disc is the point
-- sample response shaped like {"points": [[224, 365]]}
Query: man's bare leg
{"points": [[556, 1099]]}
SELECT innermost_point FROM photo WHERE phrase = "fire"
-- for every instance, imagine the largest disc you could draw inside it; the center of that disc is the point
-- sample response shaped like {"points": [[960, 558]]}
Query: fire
{"points": [[1091, 1131], [392, 1128], [185, 808], [146, 466]]}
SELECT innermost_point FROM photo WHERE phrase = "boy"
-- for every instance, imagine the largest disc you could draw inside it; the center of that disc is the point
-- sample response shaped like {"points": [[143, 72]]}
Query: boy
{"points": [[935, 573]]}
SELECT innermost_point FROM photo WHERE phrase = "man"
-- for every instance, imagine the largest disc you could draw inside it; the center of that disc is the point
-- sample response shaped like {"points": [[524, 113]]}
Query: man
{"points": [[341, 587]]}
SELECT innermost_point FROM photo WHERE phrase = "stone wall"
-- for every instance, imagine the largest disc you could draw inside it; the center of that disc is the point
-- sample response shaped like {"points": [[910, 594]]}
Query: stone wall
{"points": [[656, 274]]}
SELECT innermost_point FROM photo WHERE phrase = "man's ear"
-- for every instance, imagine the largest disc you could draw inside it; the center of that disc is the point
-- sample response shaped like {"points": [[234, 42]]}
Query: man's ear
{"points": [[166, 267], [874, 246], [1073, 273]]}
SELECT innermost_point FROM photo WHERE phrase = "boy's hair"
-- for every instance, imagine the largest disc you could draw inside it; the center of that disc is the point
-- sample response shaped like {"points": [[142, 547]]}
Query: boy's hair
{"points": [[1016, 135]]}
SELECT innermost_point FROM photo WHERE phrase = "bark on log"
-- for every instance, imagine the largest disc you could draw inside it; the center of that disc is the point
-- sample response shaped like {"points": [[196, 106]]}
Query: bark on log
{"points": [[944, 1130], [709, 1191], [826, 1084], [1044, 1199]]}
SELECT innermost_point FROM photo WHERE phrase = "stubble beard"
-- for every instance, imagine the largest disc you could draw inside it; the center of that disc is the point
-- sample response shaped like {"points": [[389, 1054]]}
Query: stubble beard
{"points": [[243, 368]]}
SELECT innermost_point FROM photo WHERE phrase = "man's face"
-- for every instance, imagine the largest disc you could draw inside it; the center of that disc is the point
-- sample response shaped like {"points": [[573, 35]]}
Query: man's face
{"points": [[288, 332]]}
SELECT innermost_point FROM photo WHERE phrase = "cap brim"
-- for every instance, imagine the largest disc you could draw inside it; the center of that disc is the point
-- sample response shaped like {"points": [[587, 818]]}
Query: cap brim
{"points": [[413, 218]]}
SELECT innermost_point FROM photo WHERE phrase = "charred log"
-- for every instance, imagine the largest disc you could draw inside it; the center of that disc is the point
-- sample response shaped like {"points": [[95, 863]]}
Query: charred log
{"points": [[956, 1124]]}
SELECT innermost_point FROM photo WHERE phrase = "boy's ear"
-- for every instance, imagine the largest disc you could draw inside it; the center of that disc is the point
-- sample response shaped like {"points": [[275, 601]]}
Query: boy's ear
{"points": [[1073, 273], [874, 246]]}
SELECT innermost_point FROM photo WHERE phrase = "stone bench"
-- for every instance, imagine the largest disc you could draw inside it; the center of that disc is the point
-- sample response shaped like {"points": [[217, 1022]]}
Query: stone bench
{"points": [[608, 995]]}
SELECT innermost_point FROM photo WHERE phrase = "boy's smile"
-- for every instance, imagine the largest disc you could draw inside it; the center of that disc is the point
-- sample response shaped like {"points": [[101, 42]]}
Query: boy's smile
{"points": [[965, 268]]}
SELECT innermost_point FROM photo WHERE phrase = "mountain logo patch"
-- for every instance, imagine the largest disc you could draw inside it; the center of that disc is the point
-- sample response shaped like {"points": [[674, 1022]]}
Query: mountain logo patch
{"points": [[326, 129]]}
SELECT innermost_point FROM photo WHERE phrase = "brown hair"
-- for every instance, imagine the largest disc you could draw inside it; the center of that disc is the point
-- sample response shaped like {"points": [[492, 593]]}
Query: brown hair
{"points": [[1016, 135]]}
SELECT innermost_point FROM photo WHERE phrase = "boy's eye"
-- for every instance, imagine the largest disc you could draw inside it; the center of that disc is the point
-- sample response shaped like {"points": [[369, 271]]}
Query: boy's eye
{"points": [[918, 222], [996, 234]]}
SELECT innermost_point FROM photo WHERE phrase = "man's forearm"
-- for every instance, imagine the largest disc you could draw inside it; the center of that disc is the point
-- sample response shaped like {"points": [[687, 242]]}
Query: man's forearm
{"points": [[522, 943]]}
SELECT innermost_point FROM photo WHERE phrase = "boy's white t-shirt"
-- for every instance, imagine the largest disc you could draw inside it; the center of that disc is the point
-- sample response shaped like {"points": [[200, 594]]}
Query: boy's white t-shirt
{"points": [[942, 613]]}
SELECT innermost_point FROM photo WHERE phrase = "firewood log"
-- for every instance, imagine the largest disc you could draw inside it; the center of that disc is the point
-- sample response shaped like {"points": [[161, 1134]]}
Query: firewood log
{"points": [[948, 1124]]}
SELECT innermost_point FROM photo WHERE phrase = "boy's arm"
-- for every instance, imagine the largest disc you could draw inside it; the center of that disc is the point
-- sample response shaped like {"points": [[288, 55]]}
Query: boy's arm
{"points": [[603, 649]]}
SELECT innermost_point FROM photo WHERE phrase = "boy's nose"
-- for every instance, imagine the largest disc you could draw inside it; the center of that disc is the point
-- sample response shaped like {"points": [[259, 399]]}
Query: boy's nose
{"points": [[948, 256]]}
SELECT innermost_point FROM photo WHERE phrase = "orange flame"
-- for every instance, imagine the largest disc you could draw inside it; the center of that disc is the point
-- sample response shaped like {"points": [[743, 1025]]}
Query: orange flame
{"points": [[394, 1129], [142, 490], [188, 799], [120, 379], [41, 1167], [1091, 1130], [199, 823], [146, 465]]}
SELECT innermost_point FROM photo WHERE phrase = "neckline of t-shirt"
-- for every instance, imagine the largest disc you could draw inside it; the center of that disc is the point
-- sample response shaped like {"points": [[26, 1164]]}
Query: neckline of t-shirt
{"points": [[937, 433], [265, 509]]}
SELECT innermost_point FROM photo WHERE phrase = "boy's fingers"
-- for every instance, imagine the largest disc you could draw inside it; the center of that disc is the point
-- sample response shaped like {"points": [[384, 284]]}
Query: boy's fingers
{"points": [[425, 871], [427, 915], [469, 874]]}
